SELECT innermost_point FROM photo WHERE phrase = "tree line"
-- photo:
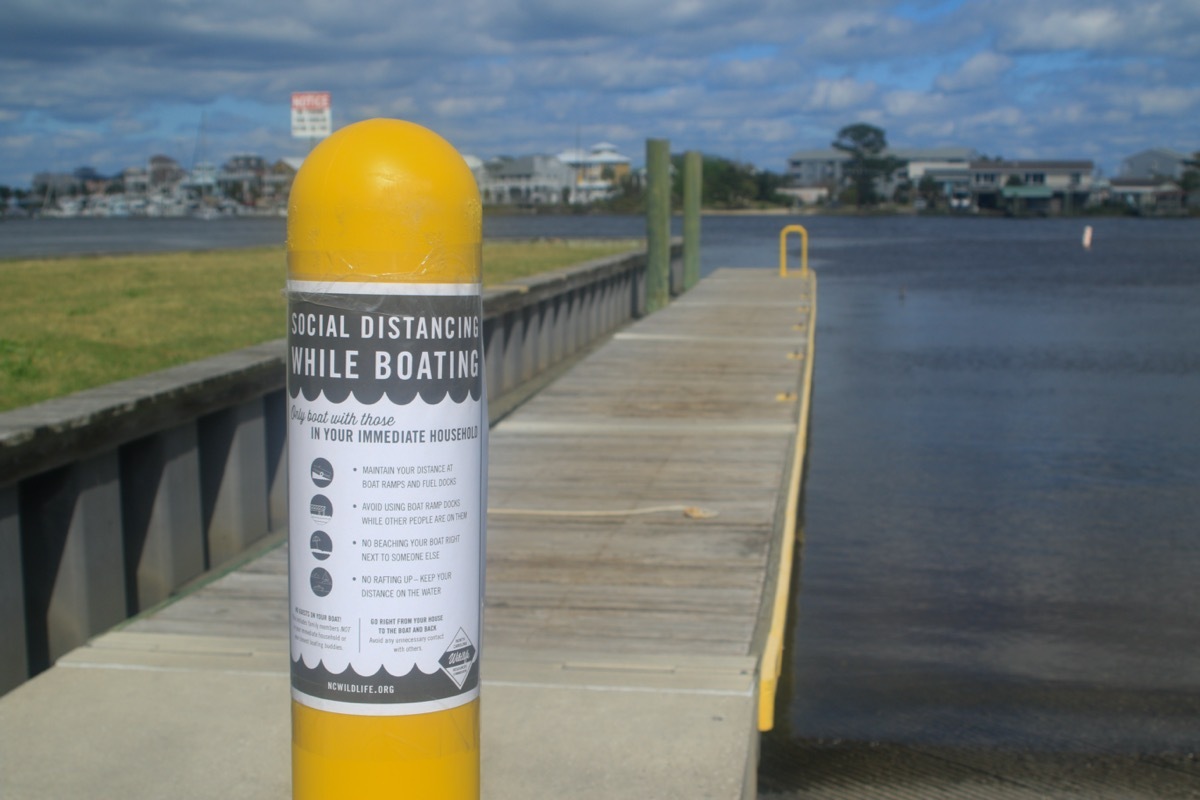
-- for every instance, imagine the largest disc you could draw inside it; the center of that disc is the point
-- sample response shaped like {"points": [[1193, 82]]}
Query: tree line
{"points": [[725, 185]]}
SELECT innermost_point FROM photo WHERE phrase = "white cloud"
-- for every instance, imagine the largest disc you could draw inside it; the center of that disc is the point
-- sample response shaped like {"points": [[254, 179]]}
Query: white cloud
{"points": [[857, 26], [467, 106], [1167, 100], [121, 79], [839, 94], [662, 101], [1006, 116], [936, 131], [768, 130], [907, 103], [982, 69], [396, 107], [1163, 27], [1047, 29]]}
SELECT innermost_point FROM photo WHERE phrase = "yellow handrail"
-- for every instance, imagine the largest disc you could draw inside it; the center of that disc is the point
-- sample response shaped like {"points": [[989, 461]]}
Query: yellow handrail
{"points": [[803, 249], [771, 666]]}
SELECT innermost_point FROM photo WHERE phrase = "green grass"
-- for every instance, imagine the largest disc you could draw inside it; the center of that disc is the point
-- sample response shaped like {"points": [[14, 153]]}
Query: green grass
{"points": [[68, 324]]}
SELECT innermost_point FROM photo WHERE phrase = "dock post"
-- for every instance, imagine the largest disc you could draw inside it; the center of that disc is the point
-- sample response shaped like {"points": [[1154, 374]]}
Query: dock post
{"points": [[658, 224], [387, 428], [692, 181]]}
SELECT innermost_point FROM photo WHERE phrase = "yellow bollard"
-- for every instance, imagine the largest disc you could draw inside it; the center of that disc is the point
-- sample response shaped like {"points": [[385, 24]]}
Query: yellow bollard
{"points": [[387, 466], [800, 229]]}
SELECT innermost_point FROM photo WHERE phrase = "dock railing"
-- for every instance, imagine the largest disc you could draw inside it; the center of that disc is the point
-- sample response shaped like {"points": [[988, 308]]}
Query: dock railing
{"points": [[114, 498]]}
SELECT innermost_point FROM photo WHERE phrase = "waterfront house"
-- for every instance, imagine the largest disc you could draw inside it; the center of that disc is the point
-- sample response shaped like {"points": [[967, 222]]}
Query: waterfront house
{"points": [[1157, 162], [525, 181], [598, 171], [1050, 187], [827, 167], [1154, 196]]}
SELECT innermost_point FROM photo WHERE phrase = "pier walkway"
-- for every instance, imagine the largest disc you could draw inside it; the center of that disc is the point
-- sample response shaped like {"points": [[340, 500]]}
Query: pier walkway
{"points": [[641, 512]]}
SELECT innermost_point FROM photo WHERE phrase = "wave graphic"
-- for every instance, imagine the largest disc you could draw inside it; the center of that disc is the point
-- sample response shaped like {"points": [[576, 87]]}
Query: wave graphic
{"points": [[348, 686]]}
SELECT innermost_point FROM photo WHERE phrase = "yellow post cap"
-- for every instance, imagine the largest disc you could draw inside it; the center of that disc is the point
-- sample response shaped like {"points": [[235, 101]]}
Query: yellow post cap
{"points": [[385, 200]]}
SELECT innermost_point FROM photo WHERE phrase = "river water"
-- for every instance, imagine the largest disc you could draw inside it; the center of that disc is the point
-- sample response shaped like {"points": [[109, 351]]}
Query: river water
{"points": [[1002, 508], [1003, 499]]}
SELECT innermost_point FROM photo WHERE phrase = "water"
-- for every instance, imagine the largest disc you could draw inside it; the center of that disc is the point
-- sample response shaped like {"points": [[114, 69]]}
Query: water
{"points": [[35, 238], [1003, 497], [1002, 502], [752, 241]]}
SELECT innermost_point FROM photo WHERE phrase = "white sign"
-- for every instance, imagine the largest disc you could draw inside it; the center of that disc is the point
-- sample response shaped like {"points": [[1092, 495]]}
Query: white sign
{"points": [[312, 116], [386, 424]]}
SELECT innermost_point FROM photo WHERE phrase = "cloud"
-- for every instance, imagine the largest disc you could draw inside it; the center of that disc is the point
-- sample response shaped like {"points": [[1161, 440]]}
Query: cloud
{"points": [[1059, 29], [769, 130], [661, 101], [839, 94], [110, 82], [1168, 101], [467, 106], [982, 69], [1164, 27], [909, 103], [853, 29], [1004, 117]]}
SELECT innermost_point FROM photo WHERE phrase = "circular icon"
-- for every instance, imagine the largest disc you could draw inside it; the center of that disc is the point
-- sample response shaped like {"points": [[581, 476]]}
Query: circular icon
{"points": [[321, 509], [321, 582], [322, 472], [321, 545]]}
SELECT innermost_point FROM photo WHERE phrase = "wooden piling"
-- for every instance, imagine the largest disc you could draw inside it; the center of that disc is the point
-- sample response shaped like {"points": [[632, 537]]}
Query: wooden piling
{"points": [[658, 224], [692, 182]]}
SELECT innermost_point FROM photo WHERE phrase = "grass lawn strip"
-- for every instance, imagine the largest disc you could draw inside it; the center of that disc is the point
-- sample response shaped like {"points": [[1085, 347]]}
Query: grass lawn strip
{"points": [[68, 324]]}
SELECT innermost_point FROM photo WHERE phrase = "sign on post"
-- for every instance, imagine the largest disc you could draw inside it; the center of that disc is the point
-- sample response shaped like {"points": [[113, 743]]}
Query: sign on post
{"points": [[387, 430], [312, 116]]}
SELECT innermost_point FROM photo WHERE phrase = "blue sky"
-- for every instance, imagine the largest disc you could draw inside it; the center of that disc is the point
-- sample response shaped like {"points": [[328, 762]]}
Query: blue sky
{"points": [[108, 83]]}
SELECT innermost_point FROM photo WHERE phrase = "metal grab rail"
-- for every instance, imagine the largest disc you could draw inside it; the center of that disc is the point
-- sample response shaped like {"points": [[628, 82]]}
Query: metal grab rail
{"points": [[803, 250]]}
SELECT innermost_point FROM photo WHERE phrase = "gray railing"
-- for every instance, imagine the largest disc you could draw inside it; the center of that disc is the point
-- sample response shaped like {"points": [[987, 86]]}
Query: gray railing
{"points": [[113, 498]]}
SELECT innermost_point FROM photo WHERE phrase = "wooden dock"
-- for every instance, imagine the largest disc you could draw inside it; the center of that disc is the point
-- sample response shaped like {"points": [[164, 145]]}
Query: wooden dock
{"points": [[641, 514]]}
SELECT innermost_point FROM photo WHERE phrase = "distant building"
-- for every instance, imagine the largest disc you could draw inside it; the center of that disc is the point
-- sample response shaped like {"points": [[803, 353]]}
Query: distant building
{"points": [[277, 182], [598, 171], [202, 180], [164, 171], [1156, 195], [526, 181], [136, 180], [56, 184], [1049, 187], [935, 160], [824, 167], [806, 195], [1158, 162], [828, 167], [242, 178], [573, 176]]}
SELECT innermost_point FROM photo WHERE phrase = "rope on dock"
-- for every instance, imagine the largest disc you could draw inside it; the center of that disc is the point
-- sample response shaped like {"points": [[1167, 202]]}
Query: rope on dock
{"points": [[691, 512]]}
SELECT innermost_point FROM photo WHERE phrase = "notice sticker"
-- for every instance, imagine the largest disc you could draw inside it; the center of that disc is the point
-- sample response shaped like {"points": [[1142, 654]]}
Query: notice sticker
{"points": [[386, 420]]}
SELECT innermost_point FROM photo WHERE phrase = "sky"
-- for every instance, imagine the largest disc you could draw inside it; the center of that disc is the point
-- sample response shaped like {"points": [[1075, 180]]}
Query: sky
{"points": [[109, 83]]}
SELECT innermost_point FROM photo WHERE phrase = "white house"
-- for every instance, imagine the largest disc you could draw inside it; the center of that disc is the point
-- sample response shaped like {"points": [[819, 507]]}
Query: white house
{"points": [[1158, 162], [573, 176], [597, 171]]}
